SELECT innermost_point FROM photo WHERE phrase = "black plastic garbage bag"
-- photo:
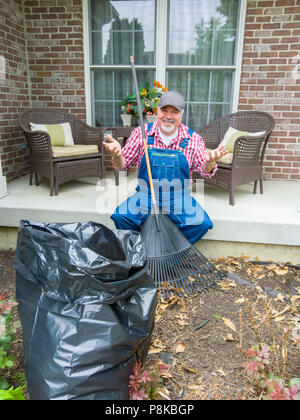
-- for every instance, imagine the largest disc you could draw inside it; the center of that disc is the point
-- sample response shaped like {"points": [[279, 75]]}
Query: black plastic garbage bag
{"points": [[87, 309]]}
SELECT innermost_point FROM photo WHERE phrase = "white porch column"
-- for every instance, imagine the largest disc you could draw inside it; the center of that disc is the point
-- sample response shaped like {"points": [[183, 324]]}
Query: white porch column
{"points": [[3, 185]]}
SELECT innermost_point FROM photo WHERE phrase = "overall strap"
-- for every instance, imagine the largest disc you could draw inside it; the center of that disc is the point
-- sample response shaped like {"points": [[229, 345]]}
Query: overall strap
{"points": [[184, 142], [150, 138]]}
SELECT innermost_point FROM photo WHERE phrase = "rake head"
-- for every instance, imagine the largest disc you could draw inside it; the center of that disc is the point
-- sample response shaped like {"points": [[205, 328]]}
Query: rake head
{"points": [[176, 266]]}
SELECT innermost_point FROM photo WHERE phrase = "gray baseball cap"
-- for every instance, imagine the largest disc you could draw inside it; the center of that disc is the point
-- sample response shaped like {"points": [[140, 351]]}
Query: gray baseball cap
{"points": [[173, 98]]}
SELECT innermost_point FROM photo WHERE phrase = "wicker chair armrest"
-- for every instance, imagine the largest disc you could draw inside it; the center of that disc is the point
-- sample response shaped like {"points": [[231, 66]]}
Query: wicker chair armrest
{"points": [[86, 134], [39, 144], [248, 150], [211, 140]]}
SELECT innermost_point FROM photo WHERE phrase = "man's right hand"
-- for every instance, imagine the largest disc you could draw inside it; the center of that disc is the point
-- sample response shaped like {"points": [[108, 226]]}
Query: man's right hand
{"points": [[112, 146]]}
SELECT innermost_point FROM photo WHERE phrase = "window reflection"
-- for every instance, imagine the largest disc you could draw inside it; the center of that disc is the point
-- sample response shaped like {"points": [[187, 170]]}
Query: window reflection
{"points": [[207, 94], [122, 28], [202, 32]]}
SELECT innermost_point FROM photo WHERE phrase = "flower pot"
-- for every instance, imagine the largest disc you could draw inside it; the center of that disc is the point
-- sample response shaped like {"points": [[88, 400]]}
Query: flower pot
{"points": [[127, 119], [151, 118]]}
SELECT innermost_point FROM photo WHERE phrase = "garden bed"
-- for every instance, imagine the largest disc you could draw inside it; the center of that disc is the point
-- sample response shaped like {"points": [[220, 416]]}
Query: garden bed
{"points": [[203, 338]]}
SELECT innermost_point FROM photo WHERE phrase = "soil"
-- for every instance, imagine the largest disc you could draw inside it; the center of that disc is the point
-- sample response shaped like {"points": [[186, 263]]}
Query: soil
{"points": [[202, 337]]}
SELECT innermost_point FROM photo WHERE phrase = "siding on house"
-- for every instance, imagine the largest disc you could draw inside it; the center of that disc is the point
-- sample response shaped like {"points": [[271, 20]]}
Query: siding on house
{"points": [[52, 33]]}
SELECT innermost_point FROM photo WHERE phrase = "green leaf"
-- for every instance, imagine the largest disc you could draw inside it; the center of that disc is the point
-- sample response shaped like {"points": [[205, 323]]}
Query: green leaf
{"points": [[295, 381], [3, 384], [12, 394]]}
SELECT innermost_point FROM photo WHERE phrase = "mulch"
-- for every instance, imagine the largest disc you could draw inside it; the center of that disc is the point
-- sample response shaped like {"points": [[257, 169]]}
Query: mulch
{"points": [[200, 337]]}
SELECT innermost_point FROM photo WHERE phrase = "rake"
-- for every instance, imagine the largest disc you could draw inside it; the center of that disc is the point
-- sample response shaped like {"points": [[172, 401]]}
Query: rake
{"points": [[177, 267]]}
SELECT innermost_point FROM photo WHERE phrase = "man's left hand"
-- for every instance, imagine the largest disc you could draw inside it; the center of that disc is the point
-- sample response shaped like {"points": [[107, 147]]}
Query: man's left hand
{"points": [[214, 155]]}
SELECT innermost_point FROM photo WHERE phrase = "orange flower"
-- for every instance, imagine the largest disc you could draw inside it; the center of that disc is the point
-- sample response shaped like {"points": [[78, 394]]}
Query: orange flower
{"points": [[164, 89], [155, 83]]}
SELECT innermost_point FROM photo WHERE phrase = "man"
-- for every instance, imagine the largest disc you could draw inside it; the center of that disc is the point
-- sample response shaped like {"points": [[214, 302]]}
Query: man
{"points": [[175, 152]]}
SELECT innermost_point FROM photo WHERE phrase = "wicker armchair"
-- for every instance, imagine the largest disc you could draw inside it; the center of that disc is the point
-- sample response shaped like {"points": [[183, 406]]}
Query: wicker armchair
{"points": [[121, 134], [248, 153], [64, 169]]}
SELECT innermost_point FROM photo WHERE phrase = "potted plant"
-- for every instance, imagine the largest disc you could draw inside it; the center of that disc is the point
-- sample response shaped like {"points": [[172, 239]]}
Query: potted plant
{"points": [[127, 109], [149, 98]]}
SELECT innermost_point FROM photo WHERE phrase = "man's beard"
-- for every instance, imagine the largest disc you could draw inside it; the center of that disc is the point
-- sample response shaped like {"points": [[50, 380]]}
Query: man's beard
{"points": [[167, 128]]}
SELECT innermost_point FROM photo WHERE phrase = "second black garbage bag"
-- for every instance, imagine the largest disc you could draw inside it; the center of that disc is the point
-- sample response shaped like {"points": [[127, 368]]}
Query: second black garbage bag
{"points": [[87, 308]]}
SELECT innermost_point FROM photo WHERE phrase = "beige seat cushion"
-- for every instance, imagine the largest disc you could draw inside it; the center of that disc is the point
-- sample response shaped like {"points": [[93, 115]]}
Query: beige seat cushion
{"points": [[77, 150], [226, 160]]}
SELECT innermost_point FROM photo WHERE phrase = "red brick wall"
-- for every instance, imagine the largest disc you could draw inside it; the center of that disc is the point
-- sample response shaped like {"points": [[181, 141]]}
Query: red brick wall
{"points": [[53, 30], [56, 56], [270, 79], [13, 88]]}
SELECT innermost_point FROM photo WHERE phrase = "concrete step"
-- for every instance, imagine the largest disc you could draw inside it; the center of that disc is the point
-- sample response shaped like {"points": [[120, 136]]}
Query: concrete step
{"points": [[262, 225]]}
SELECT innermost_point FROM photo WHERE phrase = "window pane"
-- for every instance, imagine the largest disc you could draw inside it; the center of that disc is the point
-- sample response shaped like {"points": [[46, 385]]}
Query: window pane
{"points": [[103, 115], [120, 29], [207, 94], [110, 87], [178, 80], [121, 47], [217, 110], [197, 116], [143, 55], [221, 86], [223, 48], [100, 14], [227, 13], [199, 27], [103, 83], [202, 53], [199, 86]]}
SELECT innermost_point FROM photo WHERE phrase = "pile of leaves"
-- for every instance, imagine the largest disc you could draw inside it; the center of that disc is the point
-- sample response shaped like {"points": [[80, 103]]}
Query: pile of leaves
{"points": [[207, 339]]}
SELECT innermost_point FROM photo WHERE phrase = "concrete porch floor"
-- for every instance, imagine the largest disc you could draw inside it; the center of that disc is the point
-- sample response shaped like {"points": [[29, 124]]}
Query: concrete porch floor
{"points": [[266, 226]]}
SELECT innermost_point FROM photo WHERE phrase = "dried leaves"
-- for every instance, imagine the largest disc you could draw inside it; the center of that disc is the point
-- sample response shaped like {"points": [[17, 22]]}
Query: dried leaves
{"points": [[229, 324], [201, 336], [180, 348]]}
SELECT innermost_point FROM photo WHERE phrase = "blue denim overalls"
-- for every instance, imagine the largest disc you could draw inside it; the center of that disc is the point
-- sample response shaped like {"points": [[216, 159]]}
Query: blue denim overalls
{"points": [[171, 179]]}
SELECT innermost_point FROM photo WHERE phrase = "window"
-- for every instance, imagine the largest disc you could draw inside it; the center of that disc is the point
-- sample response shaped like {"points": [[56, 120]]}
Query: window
{"points": [[190, 46]]}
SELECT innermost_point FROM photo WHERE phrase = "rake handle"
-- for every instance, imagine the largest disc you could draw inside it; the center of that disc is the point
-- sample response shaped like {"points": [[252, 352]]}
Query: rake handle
{"points": [[153, 198]]}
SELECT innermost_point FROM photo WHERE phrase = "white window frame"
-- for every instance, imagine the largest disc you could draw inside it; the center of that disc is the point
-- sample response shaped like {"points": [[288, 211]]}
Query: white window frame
{"points": [[161, 55]]}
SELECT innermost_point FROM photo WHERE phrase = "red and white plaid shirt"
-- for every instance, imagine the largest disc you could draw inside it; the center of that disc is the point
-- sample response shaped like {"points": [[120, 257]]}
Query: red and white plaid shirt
{"points": [[195, 151]]}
